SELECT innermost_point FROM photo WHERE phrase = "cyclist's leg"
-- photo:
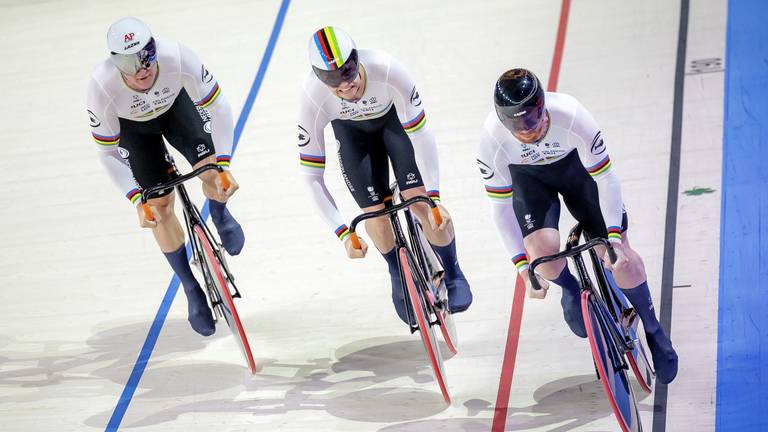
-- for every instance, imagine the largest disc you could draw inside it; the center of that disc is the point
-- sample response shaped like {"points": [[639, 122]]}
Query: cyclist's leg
{"points": [[365, 170], [186, 131], [146, 155], [537, 208], [401, 154], [584, 204]]}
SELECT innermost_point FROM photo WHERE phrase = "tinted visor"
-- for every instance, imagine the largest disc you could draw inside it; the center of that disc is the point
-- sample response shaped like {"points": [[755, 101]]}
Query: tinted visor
{"points": [[521, 118], [129, 64], [346, 73]]}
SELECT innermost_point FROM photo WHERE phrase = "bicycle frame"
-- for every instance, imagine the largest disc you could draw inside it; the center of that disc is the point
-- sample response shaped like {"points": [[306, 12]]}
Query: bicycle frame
{"points": [[192, 218], [401, 241]]}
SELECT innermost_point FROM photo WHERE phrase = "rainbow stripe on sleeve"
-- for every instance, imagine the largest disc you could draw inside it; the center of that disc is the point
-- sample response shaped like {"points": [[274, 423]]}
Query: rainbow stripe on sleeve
{"points": [[614, 232], [434, 194], [500, 192], [223, 160], [416, 123], [342, 232], [133, 195], [599, 168], [106, 140], [210, 98], [312, 161], [520, 261]]}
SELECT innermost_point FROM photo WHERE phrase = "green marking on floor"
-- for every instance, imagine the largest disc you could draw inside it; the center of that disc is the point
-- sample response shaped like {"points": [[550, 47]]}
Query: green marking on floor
{"points": [[695, 191]]}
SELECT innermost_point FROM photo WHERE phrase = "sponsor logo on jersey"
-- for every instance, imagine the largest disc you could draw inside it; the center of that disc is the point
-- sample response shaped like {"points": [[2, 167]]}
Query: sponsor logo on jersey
{"points": [[205, 76], [304, 137], [598, 146], [123, 152], [415, 99], [529, 221], [485, 170], [202, 149], [207, 127], [411, 178], [95, 122], [372, 194]]}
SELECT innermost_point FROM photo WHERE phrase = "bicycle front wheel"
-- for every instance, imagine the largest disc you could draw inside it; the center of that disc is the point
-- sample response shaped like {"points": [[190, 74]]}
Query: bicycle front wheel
{"points": [[418, 304], [227, 305], [612, 375]]}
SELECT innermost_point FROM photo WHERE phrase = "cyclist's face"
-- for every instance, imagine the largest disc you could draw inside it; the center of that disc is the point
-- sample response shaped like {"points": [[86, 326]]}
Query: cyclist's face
{"points": [[349, 89], [143, 79], [534, 134]]}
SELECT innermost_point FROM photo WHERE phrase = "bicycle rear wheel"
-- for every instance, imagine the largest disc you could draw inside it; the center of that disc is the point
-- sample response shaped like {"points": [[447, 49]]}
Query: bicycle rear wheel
{"points": [[613, 377], [227, 305], [422, 320]]}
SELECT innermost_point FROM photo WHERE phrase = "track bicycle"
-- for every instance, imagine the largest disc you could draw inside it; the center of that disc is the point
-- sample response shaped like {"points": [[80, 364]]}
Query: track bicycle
{"points": [[207, 255], [611, 325], [424, 290]]}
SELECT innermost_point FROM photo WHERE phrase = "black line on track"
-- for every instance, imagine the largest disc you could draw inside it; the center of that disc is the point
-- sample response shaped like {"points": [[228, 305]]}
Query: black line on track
{"points": [[668, 264]]}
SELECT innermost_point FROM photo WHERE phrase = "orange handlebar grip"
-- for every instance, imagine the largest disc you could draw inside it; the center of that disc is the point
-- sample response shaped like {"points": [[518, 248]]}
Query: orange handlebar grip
{"points": [[148, 212], [355, 241], [437, 216], [224, 179]]}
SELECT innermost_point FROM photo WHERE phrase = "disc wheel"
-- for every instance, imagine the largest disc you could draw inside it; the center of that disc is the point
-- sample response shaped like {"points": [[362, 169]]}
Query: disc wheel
{"points": [[227, 305], [422, 320]]}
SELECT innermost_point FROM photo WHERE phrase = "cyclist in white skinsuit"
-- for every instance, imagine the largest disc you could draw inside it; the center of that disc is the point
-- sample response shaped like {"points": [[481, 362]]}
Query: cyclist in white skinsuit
{"points": [[377, 116], [536, 146], [149, 89]]}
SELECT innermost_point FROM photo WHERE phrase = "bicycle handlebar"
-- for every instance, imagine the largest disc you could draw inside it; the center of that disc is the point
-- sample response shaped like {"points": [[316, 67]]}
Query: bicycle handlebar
{"points": [[177, 181], [569, 253], [389, 210]]}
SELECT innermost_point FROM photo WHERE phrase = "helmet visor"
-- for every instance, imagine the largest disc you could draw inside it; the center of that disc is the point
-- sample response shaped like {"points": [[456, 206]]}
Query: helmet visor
{"points": [[129, 64], [346, 73], [521, 119]]}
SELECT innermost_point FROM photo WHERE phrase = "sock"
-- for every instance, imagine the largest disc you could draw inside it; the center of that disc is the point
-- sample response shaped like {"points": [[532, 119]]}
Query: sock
{"points": [[640, 298], [447, 255], [219, 212], [180, 265], [567, 281]]}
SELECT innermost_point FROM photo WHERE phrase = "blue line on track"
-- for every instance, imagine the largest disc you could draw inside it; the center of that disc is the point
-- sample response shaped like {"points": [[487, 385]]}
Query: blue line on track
{"points": [[173, 286], [742, 363]]}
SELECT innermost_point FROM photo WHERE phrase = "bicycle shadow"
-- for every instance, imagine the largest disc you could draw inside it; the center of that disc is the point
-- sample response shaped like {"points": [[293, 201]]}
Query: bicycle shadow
{"points": [[371, 380], [68, 368], [577, 400]]}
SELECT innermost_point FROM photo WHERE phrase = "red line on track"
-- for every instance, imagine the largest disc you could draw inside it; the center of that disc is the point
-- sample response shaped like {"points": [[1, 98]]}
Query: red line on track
{"points": [[510, 353], [516, 316]]}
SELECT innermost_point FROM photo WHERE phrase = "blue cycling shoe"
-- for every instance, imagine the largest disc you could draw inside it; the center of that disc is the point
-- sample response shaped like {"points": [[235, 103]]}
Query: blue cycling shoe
{"points": [[200, 316], [664, 355], [571, 303], [230, 232], [459, 294]]}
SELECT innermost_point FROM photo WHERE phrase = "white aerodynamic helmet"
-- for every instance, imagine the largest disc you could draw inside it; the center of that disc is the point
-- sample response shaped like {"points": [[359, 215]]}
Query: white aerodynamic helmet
{"points": [[131, 45], [333, 56]]}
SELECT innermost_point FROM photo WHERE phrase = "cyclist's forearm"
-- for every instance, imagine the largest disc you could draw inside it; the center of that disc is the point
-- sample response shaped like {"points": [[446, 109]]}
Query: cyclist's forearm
{"points": [[120, 173], [222, 130], [511, 235], [325, 204], [427, 159]]}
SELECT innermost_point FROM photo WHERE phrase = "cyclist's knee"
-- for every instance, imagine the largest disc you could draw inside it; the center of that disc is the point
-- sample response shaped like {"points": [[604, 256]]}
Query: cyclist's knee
{"points": [[542, 242]]}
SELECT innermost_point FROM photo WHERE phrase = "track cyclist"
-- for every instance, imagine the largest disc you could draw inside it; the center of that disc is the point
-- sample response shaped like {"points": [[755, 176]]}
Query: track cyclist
{"points": [[542, 144], [376, 114], [149, 89]]}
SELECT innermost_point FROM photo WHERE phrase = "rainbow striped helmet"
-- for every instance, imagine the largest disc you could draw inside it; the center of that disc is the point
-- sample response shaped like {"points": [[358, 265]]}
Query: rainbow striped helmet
{"points": [[333, 56]]}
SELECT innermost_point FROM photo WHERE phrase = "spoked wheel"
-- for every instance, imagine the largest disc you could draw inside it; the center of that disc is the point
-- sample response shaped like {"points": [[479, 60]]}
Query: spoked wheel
{"points": [[227, 305], [422, 320], [613, 377]]}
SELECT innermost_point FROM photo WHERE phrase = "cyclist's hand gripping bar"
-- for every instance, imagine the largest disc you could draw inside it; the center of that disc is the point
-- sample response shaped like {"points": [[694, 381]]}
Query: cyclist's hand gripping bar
{"points": [[389, 210], [569, 253], [177, 181]]}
